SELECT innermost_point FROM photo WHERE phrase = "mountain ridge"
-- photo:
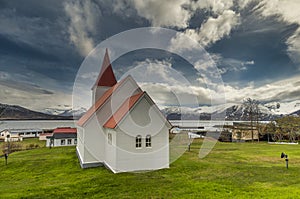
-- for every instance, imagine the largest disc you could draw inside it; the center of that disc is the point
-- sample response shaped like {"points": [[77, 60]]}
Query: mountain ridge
{"points": [[231, 111], [15, 112]]}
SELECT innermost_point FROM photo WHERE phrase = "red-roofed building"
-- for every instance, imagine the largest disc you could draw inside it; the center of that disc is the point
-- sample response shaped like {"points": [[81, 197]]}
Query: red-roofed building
{"points": [[124, 130], [62, 136]]}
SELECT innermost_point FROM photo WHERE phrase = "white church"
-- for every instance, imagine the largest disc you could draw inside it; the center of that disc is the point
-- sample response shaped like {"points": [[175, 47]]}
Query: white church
{"points": [[124, 130]]}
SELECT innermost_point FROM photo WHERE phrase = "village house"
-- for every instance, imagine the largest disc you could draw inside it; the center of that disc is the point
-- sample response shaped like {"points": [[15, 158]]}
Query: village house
{"points": [[64, 136], [123, 130], [28, 133], [10, 136], [13, 135], [43, 136], [243, 132]]}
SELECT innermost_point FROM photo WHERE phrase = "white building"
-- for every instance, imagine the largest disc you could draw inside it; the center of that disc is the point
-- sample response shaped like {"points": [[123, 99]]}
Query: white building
{"points": [[28, 133], [43, 136], [65, 136], [124, 130], [10, 136], [18, 134]]}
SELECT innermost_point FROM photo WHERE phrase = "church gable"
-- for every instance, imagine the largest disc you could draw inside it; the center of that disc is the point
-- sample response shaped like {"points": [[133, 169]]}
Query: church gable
{"points": [[111, 100], [142, 110], [122, 111]]}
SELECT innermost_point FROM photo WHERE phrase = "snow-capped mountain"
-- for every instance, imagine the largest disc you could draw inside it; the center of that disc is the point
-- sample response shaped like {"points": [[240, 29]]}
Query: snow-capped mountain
{"points": [[75, 112], [283, 108], [14, 112], [232, 111], [65, 111]]}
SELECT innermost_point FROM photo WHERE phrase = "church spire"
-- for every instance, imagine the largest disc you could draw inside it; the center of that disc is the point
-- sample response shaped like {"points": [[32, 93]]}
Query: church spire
{"points": [[106, 76]]}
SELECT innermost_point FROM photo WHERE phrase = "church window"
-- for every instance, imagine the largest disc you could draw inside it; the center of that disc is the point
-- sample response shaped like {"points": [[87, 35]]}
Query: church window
{"points": [[109, 138], [148, 141], [138, 141]]}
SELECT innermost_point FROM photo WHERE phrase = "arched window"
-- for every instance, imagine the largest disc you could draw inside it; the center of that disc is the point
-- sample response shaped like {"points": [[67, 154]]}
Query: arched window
{"points": [[138, 141], [109, 138], [148, 141]]}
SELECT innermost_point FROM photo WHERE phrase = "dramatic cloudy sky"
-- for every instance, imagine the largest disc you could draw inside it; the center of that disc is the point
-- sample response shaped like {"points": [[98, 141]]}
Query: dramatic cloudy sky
{"points": [[255, 45]]}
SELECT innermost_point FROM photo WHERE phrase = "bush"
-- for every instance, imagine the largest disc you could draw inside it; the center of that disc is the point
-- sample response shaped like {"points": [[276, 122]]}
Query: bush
{"points": [[11, 146], [30, 146]]}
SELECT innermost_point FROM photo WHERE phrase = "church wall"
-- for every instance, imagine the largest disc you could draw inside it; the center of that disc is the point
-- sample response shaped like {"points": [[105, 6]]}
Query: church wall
{"points": [[110, 148], [93, 141], [130, 158]]}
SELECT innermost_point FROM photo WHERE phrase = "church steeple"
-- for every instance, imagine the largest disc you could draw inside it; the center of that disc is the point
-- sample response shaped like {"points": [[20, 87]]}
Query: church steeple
{"points": [[106, 76], [105, 80]]}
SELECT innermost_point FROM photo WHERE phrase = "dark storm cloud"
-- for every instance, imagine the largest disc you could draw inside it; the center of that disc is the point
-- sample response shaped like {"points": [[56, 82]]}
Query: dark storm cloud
{"points": [[43, 42], [292, 95], [23, 50], [264, 42], [25, 87], [34, 37]]}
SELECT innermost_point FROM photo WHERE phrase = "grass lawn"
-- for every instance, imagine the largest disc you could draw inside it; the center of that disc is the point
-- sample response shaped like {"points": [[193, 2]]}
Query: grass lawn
{"points": [[231, 170]]}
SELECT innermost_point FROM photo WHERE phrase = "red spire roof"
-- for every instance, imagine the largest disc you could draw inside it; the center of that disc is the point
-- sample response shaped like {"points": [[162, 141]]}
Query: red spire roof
{"points": [[106, 76]]}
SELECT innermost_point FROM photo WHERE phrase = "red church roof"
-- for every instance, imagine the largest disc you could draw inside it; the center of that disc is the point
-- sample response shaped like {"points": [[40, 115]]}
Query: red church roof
{"points": [[106, 76], [121, 112]]}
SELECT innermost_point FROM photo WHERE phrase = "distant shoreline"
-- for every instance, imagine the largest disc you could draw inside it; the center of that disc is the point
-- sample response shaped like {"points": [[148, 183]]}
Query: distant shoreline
{"points": [[30, 119]]}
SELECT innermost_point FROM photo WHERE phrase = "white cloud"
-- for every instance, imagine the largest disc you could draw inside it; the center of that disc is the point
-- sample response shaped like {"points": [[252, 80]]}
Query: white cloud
{"points": [[165, 84], [182, 42], [83, 22], [164, 94], [284, 90], [178, 14], [32, 98], [285, 10], [216, 6], [211, 31], [164, 13], [44, 92], [156, 71], [249, 62], [215, 29], [89, 75], [170, 90], [231, 65], [244, 3], [294, 46]]}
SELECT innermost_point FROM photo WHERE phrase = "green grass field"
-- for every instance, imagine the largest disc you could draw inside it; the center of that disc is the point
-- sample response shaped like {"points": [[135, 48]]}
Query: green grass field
{"points": [[231, 170]]}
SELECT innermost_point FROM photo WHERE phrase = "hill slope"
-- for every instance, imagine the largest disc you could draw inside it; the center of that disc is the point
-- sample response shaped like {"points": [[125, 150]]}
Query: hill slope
{"points": [[13, 112]]}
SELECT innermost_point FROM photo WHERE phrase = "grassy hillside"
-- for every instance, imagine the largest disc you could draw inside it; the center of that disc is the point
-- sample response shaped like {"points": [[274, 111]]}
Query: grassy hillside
{"points": [[231, 170]]}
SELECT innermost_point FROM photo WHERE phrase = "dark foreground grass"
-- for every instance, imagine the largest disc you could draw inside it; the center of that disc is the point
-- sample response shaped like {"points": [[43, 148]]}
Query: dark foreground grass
{"points": [[231, 170]]}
